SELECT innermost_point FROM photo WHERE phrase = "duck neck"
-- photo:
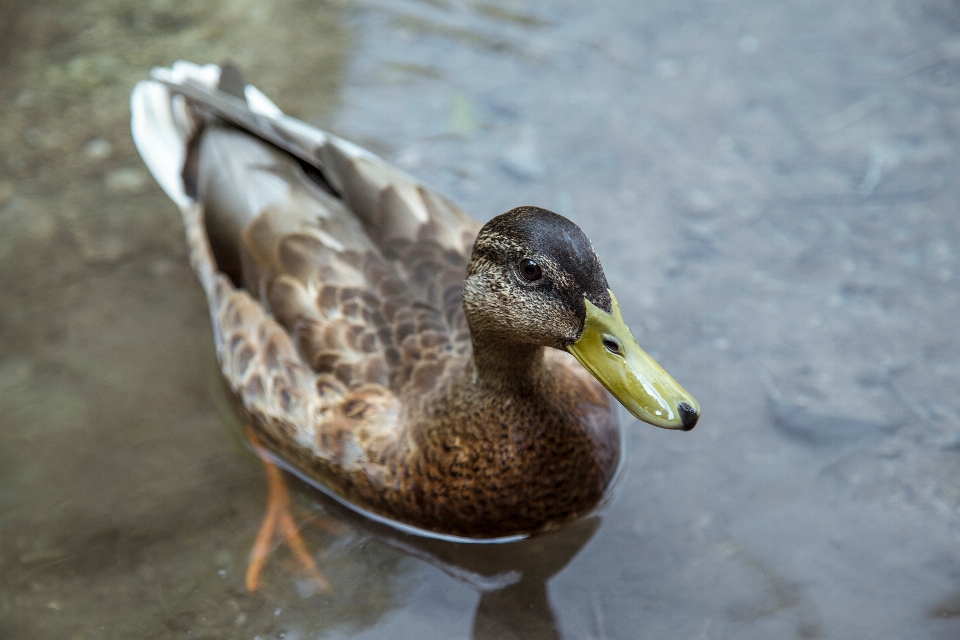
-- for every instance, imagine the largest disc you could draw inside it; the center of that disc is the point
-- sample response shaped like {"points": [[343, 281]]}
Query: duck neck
{"points": [[503, 364]]}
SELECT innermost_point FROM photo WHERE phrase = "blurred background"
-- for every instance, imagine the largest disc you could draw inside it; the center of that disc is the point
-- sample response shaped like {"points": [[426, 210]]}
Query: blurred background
{"points": [[770, 185]]}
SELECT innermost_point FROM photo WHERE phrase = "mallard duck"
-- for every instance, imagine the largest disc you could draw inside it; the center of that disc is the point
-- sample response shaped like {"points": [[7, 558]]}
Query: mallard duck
{"points": [[416, 365]]}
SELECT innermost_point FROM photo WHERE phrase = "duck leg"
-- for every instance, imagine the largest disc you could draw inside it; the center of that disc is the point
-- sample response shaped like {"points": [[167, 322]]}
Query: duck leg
{"points": [[278, 521]]}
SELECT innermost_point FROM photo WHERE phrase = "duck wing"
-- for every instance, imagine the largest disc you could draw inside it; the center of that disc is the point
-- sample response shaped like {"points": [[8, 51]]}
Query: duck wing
{"points": [[334, 280], [409, 223]]}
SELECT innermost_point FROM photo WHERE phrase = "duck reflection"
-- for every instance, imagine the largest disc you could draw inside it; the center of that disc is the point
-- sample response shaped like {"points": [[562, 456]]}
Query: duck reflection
{"points": [[511, 577]]}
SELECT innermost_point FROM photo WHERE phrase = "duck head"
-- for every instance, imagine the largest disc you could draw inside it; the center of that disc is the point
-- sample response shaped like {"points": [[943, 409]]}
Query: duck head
{"points": [[534, 279]]}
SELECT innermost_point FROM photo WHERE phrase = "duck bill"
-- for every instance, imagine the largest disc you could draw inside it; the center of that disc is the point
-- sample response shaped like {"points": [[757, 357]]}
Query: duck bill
{"points": [[609, 351]]}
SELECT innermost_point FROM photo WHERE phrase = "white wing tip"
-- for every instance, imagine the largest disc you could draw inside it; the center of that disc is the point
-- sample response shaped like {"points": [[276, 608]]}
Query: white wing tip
{"points": [[183, 72], [260, 103], [161, 125], [157, 137]]}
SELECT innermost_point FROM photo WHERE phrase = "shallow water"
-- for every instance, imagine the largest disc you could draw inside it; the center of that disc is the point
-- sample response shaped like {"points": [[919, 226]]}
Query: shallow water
{"points": [[771, 187]]}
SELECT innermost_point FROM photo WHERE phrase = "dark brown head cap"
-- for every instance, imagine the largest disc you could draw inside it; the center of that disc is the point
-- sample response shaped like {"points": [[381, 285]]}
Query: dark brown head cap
{"points": [[571, 269]]}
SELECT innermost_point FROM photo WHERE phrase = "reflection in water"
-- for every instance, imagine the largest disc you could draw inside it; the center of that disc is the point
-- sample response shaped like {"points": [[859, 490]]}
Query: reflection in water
{"points": [[511, 577], [516, 612]]}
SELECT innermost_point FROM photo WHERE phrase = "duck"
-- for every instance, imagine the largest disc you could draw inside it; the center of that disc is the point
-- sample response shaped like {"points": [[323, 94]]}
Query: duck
{"points": [[446, 377]]}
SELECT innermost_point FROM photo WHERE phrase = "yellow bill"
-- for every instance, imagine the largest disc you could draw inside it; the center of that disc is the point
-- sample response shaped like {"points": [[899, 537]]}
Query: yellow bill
{"points": [[610, 352]]}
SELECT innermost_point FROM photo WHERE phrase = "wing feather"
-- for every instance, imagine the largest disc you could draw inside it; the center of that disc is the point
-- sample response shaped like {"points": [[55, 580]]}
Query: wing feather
{"points": [[334, 280]]}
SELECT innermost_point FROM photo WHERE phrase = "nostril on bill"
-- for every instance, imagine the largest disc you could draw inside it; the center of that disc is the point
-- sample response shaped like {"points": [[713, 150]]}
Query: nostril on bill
{"points": [[611, 345], [688, 416]]}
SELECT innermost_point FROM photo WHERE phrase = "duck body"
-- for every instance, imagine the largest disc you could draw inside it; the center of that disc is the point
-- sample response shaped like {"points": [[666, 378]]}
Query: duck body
{"points": [[473, 466], [381, 343]]}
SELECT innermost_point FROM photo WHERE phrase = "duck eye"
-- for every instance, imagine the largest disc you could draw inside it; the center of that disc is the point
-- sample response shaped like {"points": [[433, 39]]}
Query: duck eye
{"points": [[530, 270]]}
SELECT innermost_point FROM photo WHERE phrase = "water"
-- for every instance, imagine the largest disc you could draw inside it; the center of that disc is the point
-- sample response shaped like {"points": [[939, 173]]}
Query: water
{"points": [[771, 187]]}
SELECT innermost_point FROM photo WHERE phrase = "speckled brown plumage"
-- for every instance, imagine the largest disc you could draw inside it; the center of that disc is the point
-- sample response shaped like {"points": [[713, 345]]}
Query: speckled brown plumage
{"points": [[345, 326]]}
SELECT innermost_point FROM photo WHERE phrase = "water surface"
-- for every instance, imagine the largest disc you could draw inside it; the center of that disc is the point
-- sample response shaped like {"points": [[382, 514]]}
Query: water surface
{"points": [[771, 187]]}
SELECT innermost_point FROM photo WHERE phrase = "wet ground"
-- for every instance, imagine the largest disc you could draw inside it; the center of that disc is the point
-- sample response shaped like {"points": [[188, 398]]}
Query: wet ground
{"points": [[771, 187]]}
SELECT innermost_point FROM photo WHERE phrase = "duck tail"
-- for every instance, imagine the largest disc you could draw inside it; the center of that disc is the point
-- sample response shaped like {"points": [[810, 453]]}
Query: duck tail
{"points": [[162, 127], [163, 124]]}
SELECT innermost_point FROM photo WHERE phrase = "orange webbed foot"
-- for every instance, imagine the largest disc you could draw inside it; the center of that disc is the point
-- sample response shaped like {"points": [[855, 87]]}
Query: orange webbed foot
{"points": [[279, 520]]}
